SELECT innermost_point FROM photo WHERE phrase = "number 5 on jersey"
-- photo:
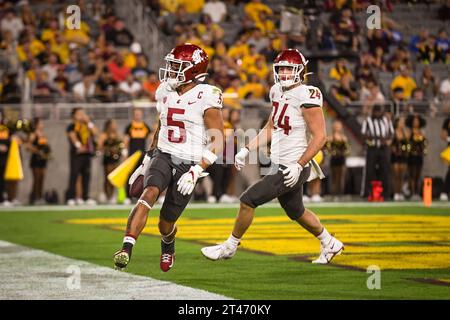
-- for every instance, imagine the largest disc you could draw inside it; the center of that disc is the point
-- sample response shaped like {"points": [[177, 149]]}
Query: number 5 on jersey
{"points": [[175, 123], [282, 121]]}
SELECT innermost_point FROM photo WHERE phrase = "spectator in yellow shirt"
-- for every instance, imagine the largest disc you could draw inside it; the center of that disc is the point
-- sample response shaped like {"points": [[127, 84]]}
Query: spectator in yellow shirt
{"points": [[254, 8], [260, 69], [253, 89], [61, 49], [231, 95], [49, 33], [206, 26], [193, 6], [78, 36], [339, 70], [30, 47], [239, 49], [170, 6], [33, 69], [249, 61], [265, 24], [36, 46], [404, 81]]}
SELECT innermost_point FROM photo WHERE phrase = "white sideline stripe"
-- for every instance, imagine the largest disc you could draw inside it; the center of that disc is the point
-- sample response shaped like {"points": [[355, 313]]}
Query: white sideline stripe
{"points": [[30, 274], [437, 204]]}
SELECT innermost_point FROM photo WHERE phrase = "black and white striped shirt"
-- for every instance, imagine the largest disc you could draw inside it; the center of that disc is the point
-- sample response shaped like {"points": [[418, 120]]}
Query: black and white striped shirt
{"points": [[377, 130]]}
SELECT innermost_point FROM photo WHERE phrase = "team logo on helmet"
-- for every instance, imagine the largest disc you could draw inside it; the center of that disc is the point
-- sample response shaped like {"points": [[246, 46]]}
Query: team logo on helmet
{"points": [[197, 56], [184, 64]]}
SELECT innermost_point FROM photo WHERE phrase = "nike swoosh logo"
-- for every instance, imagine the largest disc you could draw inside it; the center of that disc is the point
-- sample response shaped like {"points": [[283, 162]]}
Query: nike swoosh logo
{"points": [[189, 103]]}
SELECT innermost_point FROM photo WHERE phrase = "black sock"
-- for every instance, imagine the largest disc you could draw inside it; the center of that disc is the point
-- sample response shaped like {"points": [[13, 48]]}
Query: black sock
{"points": [[168, 247], [127, 247]]}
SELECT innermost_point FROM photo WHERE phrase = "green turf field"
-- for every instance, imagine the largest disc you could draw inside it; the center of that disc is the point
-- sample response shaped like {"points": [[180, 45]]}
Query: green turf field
{"points": [[410, 244]]}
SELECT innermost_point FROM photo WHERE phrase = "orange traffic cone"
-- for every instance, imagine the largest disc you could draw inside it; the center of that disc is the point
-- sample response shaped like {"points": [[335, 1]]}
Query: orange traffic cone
{"points": [[427, 192]]}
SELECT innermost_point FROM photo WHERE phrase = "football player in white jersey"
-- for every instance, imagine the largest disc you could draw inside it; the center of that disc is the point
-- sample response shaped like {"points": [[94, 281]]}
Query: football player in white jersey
{"points": [[188, 139], [297, 110]]}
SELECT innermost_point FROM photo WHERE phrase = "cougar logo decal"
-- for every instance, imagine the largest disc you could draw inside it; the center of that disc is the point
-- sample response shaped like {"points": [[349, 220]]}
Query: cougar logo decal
{"points": [[196, 56]]}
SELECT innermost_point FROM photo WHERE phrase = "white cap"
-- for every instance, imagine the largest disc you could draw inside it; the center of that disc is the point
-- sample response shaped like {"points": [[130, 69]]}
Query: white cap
{"points": [[136, 48]]}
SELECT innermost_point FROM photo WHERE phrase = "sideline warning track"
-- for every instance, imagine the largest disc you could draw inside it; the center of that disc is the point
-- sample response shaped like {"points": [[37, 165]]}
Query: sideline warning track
{"points": [[29, 274]]}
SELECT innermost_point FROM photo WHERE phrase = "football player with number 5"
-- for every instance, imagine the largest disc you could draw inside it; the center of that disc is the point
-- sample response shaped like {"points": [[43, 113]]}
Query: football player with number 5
{"points": [[189, 137], [297, 110]]}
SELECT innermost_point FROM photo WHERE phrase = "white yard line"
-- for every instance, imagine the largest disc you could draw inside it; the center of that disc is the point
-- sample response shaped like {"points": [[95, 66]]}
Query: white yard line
{"points": [[435, 204], [32, 274]]}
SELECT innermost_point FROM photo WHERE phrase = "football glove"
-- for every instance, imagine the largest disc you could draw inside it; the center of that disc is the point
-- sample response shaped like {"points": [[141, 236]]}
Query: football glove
{"points": [[187, 181], [291, 174], [239, 158]]}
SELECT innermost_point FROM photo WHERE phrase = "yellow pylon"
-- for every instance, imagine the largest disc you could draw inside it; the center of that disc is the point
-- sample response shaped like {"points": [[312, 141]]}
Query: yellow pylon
{"points": [[319, 157], [119, 177], [427, 192], [13, 169]]}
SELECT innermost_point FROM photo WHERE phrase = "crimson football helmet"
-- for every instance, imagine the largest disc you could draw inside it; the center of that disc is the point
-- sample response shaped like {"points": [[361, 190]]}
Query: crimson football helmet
{"points": [[296, 67], [184, 64]]}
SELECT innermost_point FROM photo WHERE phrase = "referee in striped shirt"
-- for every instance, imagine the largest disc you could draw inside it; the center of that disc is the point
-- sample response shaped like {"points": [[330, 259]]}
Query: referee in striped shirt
{"points": [[377, 131]]}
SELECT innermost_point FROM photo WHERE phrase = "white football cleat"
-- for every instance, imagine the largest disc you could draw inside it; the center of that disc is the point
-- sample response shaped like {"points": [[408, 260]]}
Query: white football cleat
{"points": [[220, 251], [329, 251]]}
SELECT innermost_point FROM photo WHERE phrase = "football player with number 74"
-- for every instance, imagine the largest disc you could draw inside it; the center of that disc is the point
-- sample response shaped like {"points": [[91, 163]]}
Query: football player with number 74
{"points": [[297, 110]]}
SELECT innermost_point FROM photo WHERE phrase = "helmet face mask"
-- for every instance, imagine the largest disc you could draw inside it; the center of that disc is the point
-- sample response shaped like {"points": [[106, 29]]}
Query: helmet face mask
{"points": [[174, 72], [287, 74]]}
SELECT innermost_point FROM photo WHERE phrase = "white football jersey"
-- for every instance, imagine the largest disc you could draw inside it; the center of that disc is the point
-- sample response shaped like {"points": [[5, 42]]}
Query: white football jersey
{"points": [[183, 132], [289, 136]]}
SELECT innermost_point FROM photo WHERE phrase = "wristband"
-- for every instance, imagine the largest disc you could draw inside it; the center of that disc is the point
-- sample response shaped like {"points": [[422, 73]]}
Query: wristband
{"points": [[209, 156], [78, 144], [199, 168]]}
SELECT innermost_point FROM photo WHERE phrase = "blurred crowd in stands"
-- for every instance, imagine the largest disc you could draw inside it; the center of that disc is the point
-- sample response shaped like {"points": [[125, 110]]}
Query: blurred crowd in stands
{"points": [[404, 69]]}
